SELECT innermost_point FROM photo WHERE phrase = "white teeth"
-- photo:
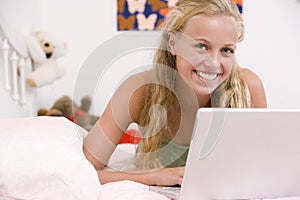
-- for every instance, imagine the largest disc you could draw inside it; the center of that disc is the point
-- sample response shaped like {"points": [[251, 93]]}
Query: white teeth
{"points": [[208, 77]]}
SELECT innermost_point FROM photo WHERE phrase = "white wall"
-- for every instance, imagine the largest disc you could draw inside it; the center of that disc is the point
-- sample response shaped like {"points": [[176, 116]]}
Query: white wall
{"points": [[84, 25], [271, 46]]}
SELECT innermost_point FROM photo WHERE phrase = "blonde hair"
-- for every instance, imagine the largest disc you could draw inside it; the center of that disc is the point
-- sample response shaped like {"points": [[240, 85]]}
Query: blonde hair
{"points": [[233, 92]]}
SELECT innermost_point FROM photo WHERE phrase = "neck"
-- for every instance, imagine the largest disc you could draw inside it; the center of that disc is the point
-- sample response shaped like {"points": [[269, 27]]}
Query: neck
{"points": [[204, 101], [187, 96]]}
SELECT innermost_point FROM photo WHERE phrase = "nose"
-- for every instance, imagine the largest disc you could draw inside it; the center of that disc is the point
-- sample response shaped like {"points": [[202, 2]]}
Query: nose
{"points": [[212, 60]]}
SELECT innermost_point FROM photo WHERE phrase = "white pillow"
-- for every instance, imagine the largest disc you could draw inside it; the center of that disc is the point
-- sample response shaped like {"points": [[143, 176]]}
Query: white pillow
{"points": [[42, 158]]}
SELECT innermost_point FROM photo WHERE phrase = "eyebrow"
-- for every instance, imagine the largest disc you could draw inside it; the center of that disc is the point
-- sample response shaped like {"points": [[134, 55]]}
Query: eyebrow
{"points": [[206, 41]]}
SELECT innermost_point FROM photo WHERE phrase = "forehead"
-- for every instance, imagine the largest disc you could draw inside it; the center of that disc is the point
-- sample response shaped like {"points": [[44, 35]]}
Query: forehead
{"points": [[215, 28]]}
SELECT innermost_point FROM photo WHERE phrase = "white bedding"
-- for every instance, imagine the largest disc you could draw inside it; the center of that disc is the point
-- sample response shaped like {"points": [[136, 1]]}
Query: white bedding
{"points": [[42, 158]]}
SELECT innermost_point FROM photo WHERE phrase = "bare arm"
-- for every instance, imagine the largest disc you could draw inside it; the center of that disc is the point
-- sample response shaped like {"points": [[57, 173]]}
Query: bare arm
{"points": [[257, 92], [164, 176], [102, 140]]}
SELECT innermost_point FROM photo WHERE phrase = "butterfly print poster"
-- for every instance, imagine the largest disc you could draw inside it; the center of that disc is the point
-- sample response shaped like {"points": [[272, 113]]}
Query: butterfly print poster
{"points": [[147, 14]]}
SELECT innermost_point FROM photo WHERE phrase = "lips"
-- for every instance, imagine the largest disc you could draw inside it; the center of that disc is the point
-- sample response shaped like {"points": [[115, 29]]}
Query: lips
{"points": [[211, 76]]}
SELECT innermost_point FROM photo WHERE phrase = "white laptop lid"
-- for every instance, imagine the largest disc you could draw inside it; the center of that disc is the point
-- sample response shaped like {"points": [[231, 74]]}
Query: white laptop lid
{"points": [[243, 154]]}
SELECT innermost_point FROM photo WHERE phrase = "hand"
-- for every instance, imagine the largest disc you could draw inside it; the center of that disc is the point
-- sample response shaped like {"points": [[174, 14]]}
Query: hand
{"points": [[168, 176]]}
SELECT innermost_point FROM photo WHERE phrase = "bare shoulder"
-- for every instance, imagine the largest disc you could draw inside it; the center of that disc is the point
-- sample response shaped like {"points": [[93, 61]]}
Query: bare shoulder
{"points": [[133, 85], [250, 77], [132, 93], [256, 87]]}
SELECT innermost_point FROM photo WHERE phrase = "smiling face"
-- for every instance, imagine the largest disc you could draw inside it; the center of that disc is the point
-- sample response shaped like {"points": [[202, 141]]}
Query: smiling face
{"points": [[205, 51]]}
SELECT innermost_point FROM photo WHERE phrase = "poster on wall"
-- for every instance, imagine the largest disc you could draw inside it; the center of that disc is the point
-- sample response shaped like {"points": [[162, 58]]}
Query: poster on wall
{"points": [[142, 15]]}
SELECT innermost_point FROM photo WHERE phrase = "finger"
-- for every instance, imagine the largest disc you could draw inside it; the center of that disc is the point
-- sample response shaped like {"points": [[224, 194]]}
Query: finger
{"points": [[180, 181]]}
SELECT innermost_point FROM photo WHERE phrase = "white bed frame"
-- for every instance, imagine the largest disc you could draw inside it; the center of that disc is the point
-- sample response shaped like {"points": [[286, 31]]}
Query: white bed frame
{"points": [[16, 98]]}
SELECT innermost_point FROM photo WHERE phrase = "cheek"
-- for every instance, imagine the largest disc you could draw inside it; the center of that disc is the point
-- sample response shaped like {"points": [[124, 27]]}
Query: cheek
{"points": [[189, 60], [227, 66], [181, 65], [187, 53]]}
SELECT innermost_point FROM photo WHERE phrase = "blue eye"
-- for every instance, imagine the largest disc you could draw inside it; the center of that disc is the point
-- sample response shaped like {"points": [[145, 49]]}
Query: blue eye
{"points": [[227, 50], [202, 46]]}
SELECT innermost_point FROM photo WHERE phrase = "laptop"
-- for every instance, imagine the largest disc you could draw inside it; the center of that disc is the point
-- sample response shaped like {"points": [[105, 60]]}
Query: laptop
{"points": [[241, 154]]}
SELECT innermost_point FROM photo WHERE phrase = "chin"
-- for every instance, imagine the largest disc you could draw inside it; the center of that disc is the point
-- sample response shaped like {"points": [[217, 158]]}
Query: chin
{"points": [[202, 91], [205, 90]]}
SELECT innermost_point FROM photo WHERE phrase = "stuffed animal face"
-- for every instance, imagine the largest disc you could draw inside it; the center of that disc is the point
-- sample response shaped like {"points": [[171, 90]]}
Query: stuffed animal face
{"points": [[44, 48], [48, 48], [52, 46]]}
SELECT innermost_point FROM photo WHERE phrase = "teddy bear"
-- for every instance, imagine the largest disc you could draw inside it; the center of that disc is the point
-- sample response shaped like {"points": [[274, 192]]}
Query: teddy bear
{"points": [[44, 49], [66, 107], [82, 116]]}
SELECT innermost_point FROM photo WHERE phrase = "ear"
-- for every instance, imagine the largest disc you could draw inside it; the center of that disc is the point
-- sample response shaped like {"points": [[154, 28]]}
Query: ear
{"points": [[171, 43]]}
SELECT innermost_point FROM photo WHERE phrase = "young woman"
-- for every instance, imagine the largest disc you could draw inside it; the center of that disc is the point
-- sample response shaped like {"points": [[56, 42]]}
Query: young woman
{"points": [[194, 67]]}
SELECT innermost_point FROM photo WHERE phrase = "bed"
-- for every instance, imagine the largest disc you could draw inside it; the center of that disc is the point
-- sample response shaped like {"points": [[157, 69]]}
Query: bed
{"points": [[42, 158]]}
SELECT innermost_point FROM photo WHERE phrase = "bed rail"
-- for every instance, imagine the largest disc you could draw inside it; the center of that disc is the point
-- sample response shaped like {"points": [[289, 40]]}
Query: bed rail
{"points": [[16, 63]]}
